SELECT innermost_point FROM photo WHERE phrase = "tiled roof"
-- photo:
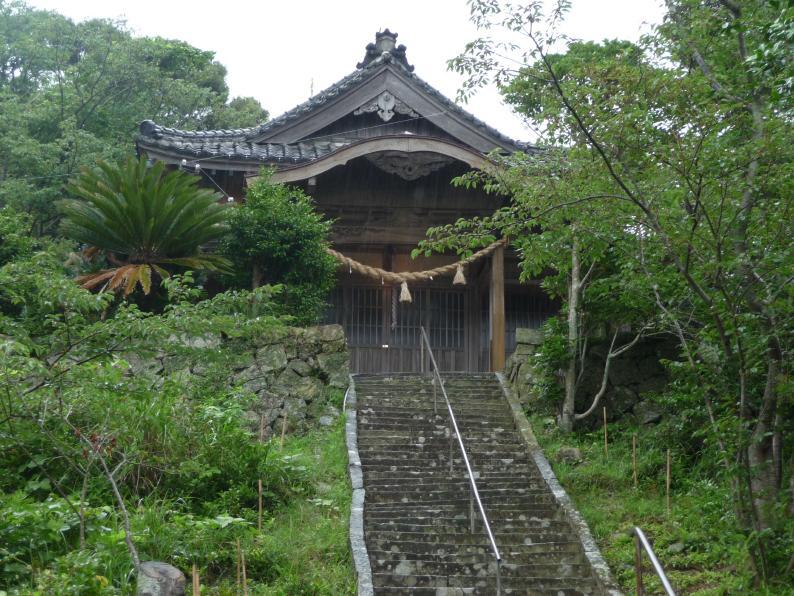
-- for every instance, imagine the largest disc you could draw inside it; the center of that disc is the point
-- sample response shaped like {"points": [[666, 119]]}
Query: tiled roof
{"points": [[237, 143], [196, 147]]}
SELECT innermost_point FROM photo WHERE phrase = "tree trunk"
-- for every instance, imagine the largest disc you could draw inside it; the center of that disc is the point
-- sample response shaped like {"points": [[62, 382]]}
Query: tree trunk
{"points": [[760, 452], [568, 405], [256, 276]]}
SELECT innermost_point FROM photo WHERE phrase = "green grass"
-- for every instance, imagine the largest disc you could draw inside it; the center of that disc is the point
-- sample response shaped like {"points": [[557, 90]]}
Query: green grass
{"points": [[696, 542], [302, 548], [306, 540]]}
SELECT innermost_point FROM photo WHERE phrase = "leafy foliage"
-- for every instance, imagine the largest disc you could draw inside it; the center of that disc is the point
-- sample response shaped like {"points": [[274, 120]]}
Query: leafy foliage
{"points": [[143, 219], [674, 156], [16, 241], [277, 237], [80, 387], [73, 93]]}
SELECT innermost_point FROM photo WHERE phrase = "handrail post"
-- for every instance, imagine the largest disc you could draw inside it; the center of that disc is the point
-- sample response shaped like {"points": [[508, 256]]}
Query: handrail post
{"points": [[642, 543], [638, 565], [498, 577]]}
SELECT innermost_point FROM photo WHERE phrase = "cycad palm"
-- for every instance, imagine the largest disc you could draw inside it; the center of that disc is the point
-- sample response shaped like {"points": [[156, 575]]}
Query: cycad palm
{"points": [[144, 219]]}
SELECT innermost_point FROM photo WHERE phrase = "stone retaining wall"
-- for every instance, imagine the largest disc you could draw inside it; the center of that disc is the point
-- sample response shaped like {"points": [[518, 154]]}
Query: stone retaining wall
{"points": [[293, 372], [633, 376], [296, 373]]}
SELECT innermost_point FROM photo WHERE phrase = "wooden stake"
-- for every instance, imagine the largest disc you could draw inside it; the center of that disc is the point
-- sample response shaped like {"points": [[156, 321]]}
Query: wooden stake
{"points": [[259, 519], [245, 578], [261, 428], [284, 429], [239, 566], [669, 478], [634, 459], [606, 437], [196, 583]]}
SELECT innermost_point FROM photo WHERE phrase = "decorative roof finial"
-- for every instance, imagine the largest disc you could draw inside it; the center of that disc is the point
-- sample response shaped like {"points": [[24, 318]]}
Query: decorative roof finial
{"points": [[385, 43]]}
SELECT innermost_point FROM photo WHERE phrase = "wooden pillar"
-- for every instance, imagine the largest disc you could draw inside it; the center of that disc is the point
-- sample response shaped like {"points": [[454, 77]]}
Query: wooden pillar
{"points": [[498, 309]]}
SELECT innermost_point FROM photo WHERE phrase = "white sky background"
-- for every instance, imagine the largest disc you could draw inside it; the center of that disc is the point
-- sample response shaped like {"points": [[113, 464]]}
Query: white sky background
{"points": [[274, 50]]}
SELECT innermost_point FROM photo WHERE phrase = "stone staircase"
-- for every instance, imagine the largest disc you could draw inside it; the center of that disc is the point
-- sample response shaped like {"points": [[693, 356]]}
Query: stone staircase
{"points": [[416, 524]]}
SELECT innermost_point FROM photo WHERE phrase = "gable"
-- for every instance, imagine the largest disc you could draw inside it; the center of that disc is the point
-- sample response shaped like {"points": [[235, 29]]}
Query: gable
{"points": [[411, 97], [383, 98]]}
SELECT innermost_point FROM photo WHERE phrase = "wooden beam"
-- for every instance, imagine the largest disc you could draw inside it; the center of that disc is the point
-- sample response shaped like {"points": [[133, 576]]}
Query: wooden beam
{"points": [[498, 309]]}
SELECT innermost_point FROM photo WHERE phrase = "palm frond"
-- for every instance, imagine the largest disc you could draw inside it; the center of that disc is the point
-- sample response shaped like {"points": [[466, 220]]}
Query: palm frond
{"points": [[145, 215]]}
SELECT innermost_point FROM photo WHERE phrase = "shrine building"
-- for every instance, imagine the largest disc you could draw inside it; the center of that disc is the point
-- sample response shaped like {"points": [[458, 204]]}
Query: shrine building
{"points": [[377, 152]]}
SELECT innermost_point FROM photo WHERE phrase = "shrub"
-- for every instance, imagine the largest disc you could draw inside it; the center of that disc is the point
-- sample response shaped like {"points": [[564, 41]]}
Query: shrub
{"points": [[277, 237]]}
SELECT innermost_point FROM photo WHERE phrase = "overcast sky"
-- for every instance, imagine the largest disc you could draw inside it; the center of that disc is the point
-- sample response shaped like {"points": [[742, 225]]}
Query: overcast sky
{"points": [[277, 51]]}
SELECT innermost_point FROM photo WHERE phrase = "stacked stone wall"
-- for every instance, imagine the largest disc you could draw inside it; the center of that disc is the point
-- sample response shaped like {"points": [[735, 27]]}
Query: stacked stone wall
{"points": [[634, 378]]}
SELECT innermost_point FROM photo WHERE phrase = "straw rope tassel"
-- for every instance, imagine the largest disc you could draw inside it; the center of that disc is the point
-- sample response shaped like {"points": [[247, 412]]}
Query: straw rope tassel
{"points": [[460, 279], [404, 277], [405, 294]]}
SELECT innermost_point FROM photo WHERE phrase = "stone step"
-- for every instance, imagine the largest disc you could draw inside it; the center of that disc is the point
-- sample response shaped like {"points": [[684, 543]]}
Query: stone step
{"points": [[574, 557], [403, 407], [371, 420], [507, 590], [435, 446], [530, 583], [441, 444], [416, 510], [424, 392], [491, 499], [455, 525], [486, 567], [472, 433], [384, 538], [496, 513], [411, 549], [520, 486], [441, 475], [457, 490]]}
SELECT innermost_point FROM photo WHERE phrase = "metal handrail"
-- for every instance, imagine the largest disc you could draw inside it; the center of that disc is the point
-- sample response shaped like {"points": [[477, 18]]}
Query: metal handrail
{"points": [[642, 542], [474, 494]]}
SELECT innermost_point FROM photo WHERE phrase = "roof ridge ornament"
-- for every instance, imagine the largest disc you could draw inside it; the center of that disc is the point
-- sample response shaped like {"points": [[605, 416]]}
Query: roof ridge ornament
{"points": [[386, 105], [385, 45]]}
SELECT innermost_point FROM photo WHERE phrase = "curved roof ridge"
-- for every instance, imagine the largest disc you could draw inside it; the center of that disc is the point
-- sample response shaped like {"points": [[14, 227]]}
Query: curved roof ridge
{"points": [[150, 129]]}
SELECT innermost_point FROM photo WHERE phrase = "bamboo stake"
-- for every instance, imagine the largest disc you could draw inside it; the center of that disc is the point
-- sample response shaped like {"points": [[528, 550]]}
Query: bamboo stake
{"points": [[196, 583], [284, 429], [239, 566], [245, 578], [634, 459], [259, 518], [606, 437], [668, 479]]}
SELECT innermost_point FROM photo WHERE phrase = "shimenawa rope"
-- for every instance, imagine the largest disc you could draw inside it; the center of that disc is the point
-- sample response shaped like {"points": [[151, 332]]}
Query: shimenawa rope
{"points": [[404, 277]]}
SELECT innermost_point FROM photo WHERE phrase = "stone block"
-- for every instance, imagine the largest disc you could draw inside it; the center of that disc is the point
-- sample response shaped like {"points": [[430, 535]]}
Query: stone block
{"points": [[529, 336], [271, 358], [301, 367], [569, 455], [648, 412], [159, 579], [336, 368]]}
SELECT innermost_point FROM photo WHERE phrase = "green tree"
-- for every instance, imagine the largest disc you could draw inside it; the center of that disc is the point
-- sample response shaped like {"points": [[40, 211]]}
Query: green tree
{"points": [[15, 239], [684, 142], [74, 93], [143, 219], [277, 237]]}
